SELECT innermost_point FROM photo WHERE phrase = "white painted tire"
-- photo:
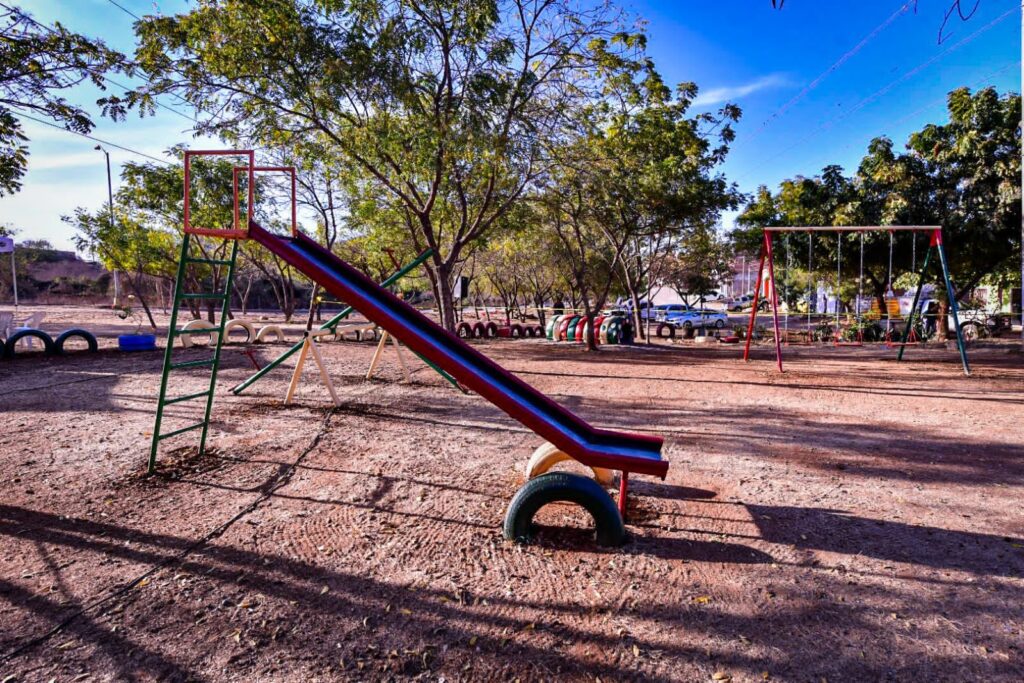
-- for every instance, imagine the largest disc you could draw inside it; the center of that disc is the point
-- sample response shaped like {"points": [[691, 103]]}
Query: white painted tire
{"points": [[267, 331], [201, 328], [250, 330], [547, 456]]}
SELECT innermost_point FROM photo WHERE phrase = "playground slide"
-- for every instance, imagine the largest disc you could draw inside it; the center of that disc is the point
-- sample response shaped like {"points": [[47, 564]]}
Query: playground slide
{"points": [[567, 432]]}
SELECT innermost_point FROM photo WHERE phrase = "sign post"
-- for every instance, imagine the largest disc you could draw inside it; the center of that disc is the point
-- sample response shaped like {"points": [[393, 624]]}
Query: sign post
{"points": [[7, 247]]}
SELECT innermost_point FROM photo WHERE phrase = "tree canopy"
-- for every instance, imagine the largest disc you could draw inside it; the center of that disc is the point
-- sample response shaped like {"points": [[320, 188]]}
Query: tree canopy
{"points": [[37, 64], [963, 175]]}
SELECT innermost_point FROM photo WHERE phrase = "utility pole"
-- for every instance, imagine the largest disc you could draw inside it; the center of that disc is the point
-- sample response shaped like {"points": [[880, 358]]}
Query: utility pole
{"points": [[110, 200]]}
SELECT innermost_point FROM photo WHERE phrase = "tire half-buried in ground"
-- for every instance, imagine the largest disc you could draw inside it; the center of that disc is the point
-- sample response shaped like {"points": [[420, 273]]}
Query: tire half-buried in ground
{"points": [[90, 340], [13, 340], [564, 487]]}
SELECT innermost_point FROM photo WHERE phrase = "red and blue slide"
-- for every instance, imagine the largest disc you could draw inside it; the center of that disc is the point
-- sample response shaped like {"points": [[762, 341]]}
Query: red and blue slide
{"points": [[593, 447]]}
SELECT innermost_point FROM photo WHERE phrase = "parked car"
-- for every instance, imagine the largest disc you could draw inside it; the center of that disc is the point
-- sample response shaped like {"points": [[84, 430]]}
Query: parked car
{"points": [[665, 310], [646, 309], [746, 301], [701, 317]]}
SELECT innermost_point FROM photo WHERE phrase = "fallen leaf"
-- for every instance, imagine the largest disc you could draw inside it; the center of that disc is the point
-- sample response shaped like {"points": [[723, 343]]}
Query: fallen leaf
{"points": [[472, 641], [702, 599], [721, 676], [324, 590], [636, 651]]}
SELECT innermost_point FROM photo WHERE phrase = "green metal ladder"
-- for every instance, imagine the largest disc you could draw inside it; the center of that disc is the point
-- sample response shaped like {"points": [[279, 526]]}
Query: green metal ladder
{"points": [[173, 332]]}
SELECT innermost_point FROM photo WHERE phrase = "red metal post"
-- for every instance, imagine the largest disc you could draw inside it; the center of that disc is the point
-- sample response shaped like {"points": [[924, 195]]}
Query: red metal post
{"points": [[270, 169], [753, 309], [295, 222], [775, 296], [237, 230], [188, 169], [623, 486]]}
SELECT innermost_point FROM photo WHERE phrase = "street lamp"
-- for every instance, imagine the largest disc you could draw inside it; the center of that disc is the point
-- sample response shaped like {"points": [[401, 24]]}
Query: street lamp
{"points": [[110, 200]]}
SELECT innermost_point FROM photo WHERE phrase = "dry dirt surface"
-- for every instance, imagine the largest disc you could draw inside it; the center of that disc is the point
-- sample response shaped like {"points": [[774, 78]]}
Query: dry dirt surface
{"points": [[850, 520]]}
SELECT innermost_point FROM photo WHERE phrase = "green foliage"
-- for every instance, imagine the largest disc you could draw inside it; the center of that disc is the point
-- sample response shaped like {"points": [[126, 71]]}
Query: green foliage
{"points": [[127, 244], [640, 180], [36, 63], [441, 109], [702, 261]]}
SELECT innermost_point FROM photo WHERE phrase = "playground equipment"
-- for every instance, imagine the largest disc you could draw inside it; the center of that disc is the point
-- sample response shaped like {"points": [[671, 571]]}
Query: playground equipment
{"points": [[565, 431], [332, 326], [572, 327], [935, 245], [310, 348], [51, 346]]}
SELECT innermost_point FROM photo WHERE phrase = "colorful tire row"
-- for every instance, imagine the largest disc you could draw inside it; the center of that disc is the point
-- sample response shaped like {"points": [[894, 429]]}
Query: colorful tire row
{"points": [[488, 329], [610, 329], [51, 346]]}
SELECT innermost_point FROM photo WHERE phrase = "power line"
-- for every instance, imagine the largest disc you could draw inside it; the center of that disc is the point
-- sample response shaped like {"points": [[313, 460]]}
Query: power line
{"points": [[829, 71], [937, 101], [124, 9], [91, 137], [176, 96], [102, 75], [885, 89]]}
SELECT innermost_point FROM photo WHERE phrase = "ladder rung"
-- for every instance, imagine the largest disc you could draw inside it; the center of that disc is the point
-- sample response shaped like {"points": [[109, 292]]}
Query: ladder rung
{"points": [[187, 397], [180, 431], [209, 261], [192, 364], [201, 295]]}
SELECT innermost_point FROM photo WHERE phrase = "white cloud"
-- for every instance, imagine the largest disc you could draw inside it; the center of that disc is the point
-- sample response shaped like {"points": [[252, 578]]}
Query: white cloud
{"points": [[707, 98]]}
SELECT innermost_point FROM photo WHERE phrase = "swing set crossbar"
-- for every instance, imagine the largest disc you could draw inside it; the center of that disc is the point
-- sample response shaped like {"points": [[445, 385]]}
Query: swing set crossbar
{"points": [[857, 228], [935, 244]]}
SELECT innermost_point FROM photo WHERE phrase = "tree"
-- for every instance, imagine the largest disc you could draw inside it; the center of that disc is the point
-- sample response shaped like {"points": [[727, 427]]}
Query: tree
{"points": [[126, 245], [642, 173], [443, 105], [37, 62], [700, 264], [963, 175]]}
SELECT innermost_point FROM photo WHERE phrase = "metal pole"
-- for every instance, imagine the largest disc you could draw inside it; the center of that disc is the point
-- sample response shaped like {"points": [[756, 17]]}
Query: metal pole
{"points": [[753, 308], [775, 297], [937, 240], [110, 202], [913, 307], [647, 306], [13, 276]]}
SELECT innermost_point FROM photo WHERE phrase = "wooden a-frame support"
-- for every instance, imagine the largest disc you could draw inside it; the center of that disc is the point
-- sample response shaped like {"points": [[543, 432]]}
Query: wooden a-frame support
{"points": [[309, 347], [379, 352]]}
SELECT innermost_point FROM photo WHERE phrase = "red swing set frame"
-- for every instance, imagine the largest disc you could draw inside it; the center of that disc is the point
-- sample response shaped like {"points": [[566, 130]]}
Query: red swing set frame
{"points": [[909, 339]]}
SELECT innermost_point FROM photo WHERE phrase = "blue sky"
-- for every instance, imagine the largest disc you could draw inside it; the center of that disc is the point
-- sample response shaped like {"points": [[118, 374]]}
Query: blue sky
{"points": [[798, 115]]}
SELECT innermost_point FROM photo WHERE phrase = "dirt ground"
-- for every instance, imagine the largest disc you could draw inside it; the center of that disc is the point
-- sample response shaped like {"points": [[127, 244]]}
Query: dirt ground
{"points": [[852, 519]]}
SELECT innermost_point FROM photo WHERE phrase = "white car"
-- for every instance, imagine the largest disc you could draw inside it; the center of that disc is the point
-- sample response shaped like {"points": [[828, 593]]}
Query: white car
{"points": [[698, 318], [666, 311]]}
